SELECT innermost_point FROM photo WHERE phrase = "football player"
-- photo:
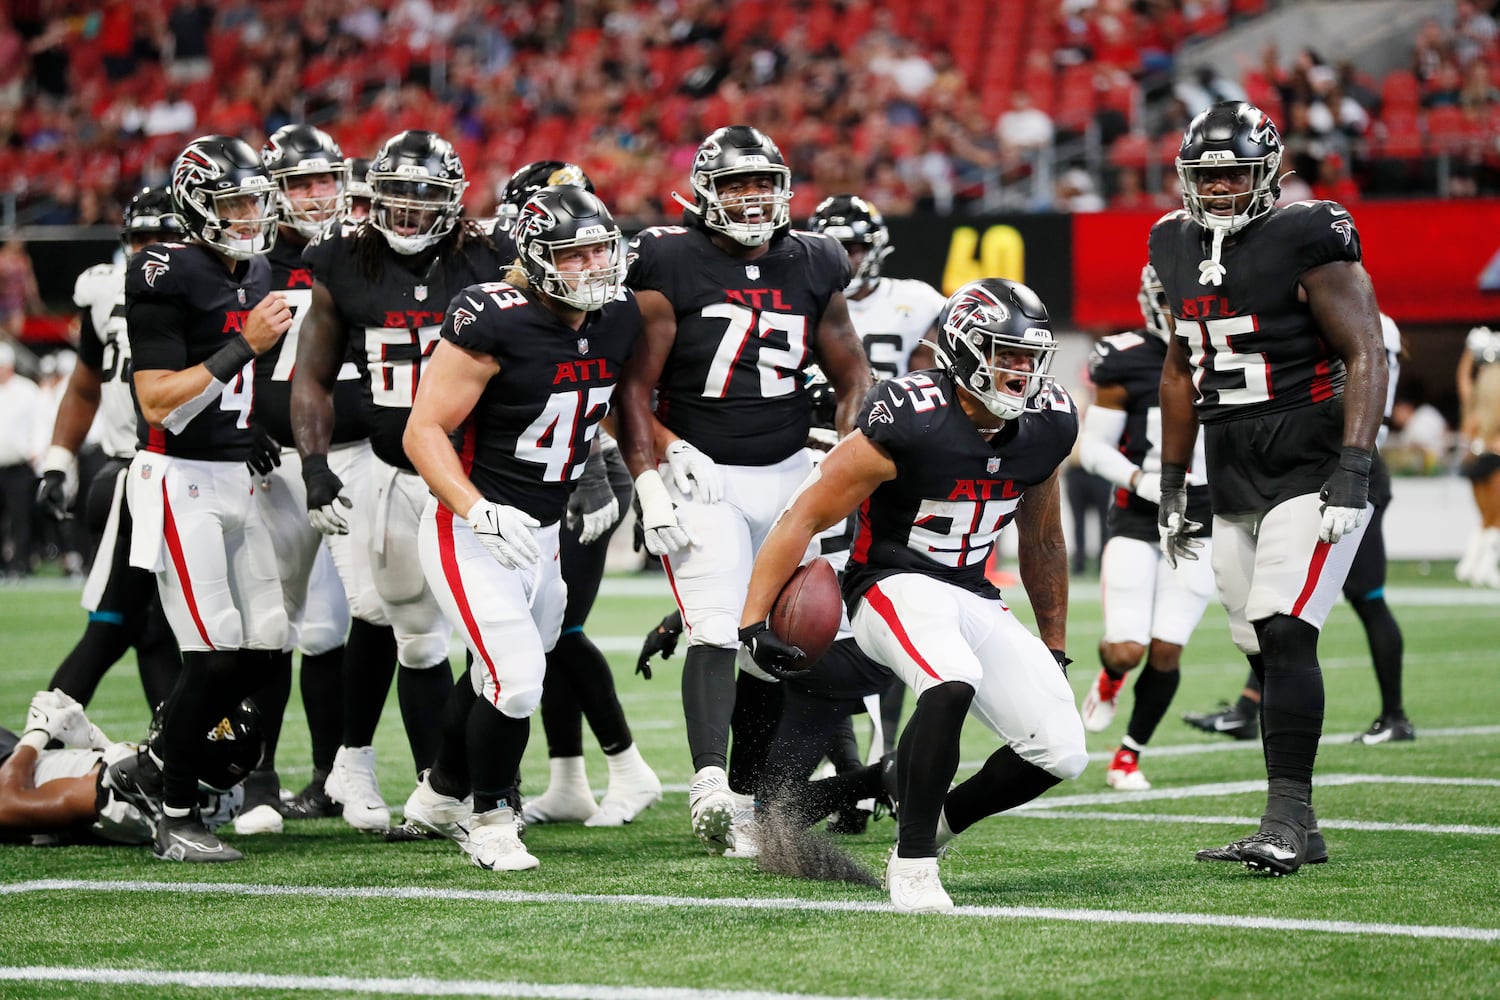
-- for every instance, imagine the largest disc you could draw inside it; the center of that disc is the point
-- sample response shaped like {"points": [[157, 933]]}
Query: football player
{"points": [[1150, 608], [1278, 354], [197, 314], [357, 191], [307, 167], [578, 682], [940, 462], [1479, 399], [378, 294], [500, 430], [736, 306], [63, 781], [123, 608]]}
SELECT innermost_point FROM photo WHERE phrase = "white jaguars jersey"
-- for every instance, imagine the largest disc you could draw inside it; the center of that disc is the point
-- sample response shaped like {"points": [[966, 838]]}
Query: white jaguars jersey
{"points": [[101, 290], [892, 319], [118, 820]]}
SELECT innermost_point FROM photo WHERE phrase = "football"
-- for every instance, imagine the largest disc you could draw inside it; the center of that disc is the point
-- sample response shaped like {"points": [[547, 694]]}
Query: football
{"points": [[808, 609]]}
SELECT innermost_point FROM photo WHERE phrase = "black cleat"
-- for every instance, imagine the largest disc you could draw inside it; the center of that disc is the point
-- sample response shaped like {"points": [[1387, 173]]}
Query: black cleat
{"points": [[849, 821], [312, 802], [185, 838], [1229, 720], [1395, 728], [137, 779], [1317, 851]]}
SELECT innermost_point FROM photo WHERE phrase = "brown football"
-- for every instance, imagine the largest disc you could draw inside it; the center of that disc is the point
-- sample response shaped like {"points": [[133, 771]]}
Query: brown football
{"points": [[808, 609]]}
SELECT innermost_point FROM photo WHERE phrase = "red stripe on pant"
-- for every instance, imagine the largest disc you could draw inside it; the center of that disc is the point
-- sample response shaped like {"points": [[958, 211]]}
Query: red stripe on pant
{"points": [[179, 560], [887, 612], [1314, 570], [666, 566], [448, 555]]}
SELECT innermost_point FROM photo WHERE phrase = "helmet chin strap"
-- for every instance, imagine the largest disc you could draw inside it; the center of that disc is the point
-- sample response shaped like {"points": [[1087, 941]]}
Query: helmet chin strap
{"points": [[1211, 271]]}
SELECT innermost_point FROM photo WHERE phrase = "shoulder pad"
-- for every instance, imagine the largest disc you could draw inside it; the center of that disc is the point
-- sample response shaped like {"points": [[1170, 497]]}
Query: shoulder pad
{"points": [[1122, 341], [96, 283], [658, 232], [158, 269]]}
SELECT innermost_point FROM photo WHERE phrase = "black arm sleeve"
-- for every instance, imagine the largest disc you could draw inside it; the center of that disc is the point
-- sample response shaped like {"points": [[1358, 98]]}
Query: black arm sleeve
{"points": [[90, 346], [158, 336]]}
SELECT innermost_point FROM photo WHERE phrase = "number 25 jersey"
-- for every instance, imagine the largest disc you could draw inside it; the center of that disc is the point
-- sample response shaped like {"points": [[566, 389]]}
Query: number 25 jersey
{"points": [[955, 489], [745, 330], [1254, 348]]}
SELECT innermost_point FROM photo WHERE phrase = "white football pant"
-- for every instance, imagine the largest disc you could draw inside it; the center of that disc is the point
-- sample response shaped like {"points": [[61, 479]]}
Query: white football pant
{"points": [[1145, 598]]}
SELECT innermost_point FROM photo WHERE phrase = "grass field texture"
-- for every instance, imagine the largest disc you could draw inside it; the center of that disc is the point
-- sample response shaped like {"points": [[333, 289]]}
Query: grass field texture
{"points": [[1090, 892]]}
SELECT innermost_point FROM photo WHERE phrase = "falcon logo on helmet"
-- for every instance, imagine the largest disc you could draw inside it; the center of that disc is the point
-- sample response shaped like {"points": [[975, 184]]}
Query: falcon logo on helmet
{"points": [[996, 342]]}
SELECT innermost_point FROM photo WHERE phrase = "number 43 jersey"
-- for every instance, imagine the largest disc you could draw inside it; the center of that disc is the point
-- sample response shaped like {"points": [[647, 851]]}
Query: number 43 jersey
{"points": [[1253, 346], [732, 385], [527, 438], [955, 489]]}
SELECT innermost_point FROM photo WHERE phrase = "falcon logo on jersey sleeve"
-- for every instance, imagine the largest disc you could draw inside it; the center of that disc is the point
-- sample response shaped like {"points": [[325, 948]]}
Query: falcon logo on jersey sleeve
{"points": [[1345, 229], [880, 413], [156, 266], [461, 318]]}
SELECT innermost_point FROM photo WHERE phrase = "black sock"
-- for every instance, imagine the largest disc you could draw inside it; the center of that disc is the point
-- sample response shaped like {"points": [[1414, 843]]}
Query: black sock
{"points": [[843, 747], [369, 665], [322, 683], [562, 716], [496, 744], [891, 701], [594, 688], [272, 691], [1004, 782], [757, 710], [1386, 649], [805, 726], [211, 684], [450, 775], [422, 694], [816, 799], [156, 655], [708, 703], [99, 648], [1154, 690], [930, 749], [1291, 707]]}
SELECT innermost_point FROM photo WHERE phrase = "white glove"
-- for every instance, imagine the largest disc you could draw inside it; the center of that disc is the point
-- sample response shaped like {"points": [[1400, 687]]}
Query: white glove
{"points": [[329, 518], [694, 473], [664, 532], [592, 524], [506, 532], [1148, 487], [60, 717], [1338, 522]]}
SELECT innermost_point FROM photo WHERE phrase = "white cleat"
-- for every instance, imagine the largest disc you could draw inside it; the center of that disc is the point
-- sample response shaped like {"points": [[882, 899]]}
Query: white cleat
{"points": [[915, 887], [1099, 704], [494, 843], [713, 806], [633, 788], [352, 784], [261, 819], [568, 798], [1124, 772], [436, 813], [744, 841]]}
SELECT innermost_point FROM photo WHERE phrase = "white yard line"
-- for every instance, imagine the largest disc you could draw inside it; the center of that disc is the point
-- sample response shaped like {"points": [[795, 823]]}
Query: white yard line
{"points": [[1243, 787], [408, 986], [1349, 927], [1365, 826]]}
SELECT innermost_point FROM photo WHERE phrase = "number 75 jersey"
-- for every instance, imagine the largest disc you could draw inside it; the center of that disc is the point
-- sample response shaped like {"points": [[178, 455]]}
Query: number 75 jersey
{"points": [[955, 489], [527, 438], [732, 384]]}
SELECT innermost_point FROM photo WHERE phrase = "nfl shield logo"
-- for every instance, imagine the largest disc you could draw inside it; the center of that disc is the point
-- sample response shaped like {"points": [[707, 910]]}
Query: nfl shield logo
{"points": [[583, 345], [241, 293], [193, 490], [420, 293], [145, 472], [752, 272], [992, 465]]}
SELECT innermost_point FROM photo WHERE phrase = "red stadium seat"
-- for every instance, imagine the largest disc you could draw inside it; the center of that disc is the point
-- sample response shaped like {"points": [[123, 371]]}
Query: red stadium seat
{"points": [[1400, 90]]}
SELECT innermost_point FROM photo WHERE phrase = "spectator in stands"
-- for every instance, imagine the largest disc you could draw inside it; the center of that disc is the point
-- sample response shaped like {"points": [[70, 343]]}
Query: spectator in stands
{"points": [[1075, 192], [1478, 93], [18, 403], [18, 291], [1023, 128], [12, 64], [1474, 33], [1420, 438]]}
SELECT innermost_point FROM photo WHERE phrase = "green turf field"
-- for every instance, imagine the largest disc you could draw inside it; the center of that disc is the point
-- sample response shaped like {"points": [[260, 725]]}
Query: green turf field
{"points": [[1091, 893]]}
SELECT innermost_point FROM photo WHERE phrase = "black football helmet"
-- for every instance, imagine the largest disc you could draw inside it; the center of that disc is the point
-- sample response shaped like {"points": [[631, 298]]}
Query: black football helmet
{"points": [[741, 149], [224, 196], [1230, 134], [821, 394], [988, 318], [150, 214], [357, 188], [1154, 308], [531, 178], [853, 221], [229, 750], [417, 187], [300, 150], [560, 218]]}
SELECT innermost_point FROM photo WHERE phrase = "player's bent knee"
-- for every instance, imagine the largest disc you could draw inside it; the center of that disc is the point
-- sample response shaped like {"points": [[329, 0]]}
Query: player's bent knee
{"points": [[720, 630], [315, 640], [521, 700], [419, 652], [1121, 655]]}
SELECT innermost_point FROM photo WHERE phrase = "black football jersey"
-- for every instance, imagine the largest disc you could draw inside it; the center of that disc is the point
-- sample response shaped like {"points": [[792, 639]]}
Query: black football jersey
{"points": [[291, 276], [732, 384], [394, 321], [955, 489], [527, 439], [1253, 347], [208, 305], [1134, 361]]}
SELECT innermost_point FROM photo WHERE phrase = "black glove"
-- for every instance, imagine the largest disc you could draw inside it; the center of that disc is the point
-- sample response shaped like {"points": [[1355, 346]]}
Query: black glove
{"points": [[265, 454], [1172, 522], [52, 495], [325, 495], [592, 506], [1062, 660], [770, 652], [663, 640]]}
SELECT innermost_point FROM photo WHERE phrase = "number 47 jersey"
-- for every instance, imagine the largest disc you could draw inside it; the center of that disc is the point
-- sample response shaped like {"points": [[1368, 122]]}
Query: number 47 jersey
{"points": [[527, 438], [955, 489]]}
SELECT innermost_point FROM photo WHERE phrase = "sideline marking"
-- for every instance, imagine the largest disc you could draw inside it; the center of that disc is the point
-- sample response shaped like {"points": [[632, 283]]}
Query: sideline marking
{"points": [[408, 986], [1350, 927]]}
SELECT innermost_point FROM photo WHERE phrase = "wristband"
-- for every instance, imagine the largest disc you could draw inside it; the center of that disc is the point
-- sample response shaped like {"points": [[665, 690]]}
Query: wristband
{"points": [[229, 360], [1356, 460], [1173, 476], [59, 459], [37, 739]]}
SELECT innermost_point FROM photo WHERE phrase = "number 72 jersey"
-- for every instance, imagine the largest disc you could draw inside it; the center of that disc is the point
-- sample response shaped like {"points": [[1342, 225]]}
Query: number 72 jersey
{"points": [[1254, 348], [955, 489]]}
